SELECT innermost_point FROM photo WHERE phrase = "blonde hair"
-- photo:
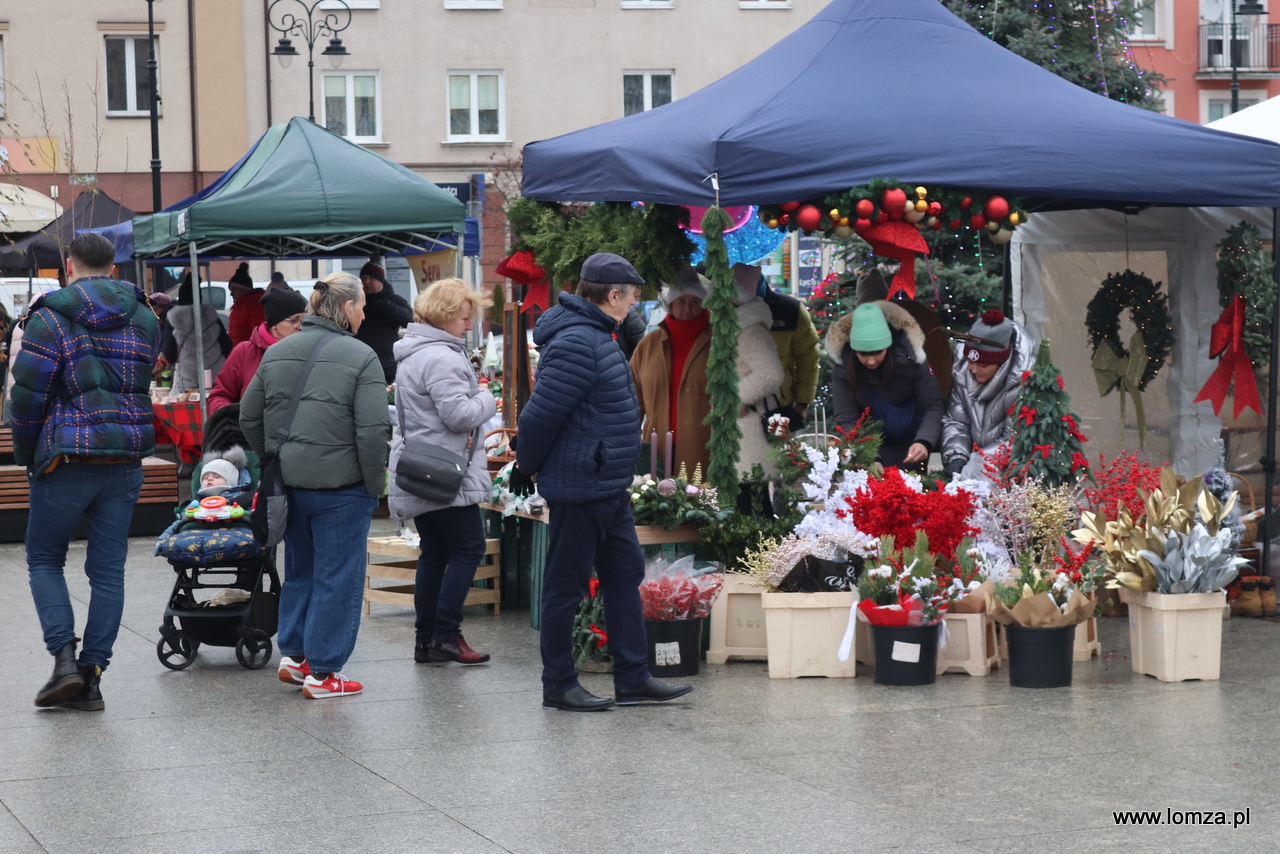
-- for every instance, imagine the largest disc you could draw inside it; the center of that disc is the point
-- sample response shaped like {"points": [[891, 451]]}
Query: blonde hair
{"points": [[441, 302], [331, 295]]}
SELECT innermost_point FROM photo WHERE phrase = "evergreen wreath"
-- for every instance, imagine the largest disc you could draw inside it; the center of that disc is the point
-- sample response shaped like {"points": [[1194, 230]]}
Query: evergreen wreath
{"points": [[1244, 268], [1148, 309]]}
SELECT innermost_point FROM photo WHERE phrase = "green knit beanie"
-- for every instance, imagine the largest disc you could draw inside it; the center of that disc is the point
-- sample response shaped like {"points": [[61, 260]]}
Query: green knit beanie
{"points": [[869, 333]]}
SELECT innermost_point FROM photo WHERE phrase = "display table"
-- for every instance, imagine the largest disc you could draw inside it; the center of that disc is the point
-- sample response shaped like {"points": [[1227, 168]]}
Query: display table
{"points": [[404, 568], [178, 423]]}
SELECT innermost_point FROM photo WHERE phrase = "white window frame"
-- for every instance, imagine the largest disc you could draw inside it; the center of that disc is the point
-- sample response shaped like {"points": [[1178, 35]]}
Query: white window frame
{"points": [[376, 139], [764, 4], [1164, 26], [648, 4], [648, 73], [473, 4], [487, 138], [130, 66], [1166, 97], [1248, 97]]}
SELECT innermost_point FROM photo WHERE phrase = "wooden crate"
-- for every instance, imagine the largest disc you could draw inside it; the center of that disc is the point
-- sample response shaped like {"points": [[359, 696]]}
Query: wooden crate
{"points": [[737, 623], [971, 645], [1087, 644], [405, 569]]}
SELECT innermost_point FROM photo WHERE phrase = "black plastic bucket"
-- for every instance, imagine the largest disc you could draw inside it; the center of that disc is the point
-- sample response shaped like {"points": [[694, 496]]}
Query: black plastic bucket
{"points": [[1040, 658], [906, 655], [674, 646]]}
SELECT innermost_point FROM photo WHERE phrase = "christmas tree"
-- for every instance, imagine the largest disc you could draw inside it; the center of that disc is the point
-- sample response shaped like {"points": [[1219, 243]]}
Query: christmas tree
{"points": [[1244, 267], [1047, 441]]}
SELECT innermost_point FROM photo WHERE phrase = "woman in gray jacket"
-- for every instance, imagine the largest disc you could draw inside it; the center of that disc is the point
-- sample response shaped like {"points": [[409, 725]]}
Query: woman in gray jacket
{"points": [[440, 402], [334, 466]]}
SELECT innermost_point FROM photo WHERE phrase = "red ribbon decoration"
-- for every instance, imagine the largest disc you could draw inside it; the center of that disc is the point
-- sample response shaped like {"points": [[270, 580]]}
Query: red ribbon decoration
{"points": [[902, 241], [593, 587], [598, 632], [523, 269], [1227, 340], [1029, 414], [1041, 449]]}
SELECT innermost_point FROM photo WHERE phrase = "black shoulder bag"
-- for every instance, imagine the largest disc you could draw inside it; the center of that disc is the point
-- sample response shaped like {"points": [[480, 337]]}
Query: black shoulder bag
{"points": [[430, 471], [270, 504]]}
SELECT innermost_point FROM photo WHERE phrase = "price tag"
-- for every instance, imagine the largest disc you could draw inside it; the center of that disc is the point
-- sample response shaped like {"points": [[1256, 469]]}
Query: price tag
{"points": [[908, 652]]}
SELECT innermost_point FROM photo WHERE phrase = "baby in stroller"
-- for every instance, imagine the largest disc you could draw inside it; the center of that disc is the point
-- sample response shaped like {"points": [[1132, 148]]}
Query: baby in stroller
{"points": [[225, 494]]}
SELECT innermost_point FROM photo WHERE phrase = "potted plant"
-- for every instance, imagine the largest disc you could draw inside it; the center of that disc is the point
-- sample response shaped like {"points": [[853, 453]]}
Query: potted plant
{"points": [[1171, 564], [676, 598], [672, 503], [1039, 612]]}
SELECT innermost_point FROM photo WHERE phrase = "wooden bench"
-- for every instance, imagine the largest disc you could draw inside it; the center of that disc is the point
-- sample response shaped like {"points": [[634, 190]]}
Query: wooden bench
{"points": [[159, 485], [404, 568]]}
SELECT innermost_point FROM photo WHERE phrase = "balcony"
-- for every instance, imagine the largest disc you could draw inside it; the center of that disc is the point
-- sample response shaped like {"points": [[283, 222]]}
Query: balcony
{"points": [[1256, 47]]}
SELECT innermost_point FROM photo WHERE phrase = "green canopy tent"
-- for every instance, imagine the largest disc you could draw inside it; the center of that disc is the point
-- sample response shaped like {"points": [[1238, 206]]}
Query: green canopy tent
{"points": [[301, 191]]}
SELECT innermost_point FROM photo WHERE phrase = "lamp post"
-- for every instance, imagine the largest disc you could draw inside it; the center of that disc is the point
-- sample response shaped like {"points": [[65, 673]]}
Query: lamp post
{"points": [[154, 95], [1247, 9], [298, 17]]}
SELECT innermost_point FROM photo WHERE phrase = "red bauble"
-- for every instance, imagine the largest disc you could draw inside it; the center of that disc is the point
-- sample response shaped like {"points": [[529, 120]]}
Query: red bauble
{"points": [[977, 221], [864, 208], [955, 225], [784, 219], [861, 224], [789, 207], [935, 208], [996, 208], [892, 201], [809, 217], [965, 203]]}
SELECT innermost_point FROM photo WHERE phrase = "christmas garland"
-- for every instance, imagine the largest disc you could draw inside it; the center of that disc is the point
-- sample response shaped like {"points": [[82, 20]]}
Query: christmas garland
{"points": [[1149, 311], [1244, 268], [722, 359]]}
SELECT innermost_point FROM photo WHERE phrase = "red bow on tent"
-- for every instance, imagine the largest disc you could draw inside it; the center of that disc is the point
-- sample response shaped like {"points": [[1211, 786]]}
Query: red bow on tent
{"points": [[1227, 340], [523, 269], [899, 240]]}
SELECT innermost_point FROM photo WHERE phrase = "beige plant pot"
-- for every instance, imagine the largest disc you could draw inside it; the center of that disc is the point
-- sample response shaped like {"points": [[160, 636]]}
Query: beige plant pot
{"points": [[804, 632], [737, 623], [1087, 643], [1175, 636], [971, 645]]}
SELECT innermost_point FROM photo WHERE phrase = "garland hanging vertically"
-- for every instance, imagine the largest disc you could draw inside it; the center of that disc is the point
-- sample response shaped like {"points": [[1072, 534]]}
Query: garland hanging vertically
{"points": [[722, 361], [1244, 267]]}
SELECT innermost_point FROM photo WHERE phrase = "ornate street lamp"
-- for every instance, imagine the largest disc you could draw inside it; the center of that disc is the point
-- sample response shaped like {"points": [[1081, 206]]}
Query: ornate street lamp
{"points": [[298, 17], [1247, 9]]}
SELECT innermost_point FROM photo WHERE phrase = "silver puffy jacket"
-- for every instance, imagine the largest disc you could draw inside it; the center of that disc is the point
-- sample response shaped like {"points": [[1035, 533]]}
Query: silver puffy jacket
{"points": [[979, 414]]}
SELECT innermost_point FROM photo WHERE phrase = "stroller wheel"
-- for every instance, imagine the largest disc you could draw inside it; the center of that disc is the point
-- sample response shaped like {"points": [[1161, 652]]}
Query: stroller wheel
{"points": [[254, 651], [177, 655]]}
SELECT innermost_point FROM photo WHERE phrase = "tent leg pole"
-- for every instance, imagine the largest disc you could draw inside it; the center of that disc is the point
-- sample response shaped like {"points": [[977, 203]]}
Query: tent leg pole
{"points": [[1269, 461], [197, 323]]}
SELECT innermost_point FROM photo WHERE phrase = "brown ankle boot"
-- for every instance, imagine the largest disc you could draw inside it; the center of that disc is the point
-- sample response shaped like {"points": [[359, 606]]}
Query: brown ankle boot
{"points": [[1250, 602], [1267, 592]]}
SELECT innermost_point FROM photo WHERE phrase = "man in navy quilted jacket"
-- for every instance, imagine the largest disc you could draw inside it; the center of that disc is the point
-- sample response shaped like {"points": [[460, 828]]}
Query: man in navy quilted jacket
{"points": [[580, 435]]}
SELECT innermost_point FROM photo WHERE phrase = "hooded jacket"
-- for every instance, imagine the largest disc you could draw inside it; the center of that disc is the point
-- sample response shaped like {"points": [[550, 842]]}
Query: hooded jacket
{"points": [[978, 413], [82, 378], [440, 402], [339, 434], [181, 318], [580, 430], [912, 380], [385, 314], [246, 315], [241, 365], [760, 378], [798, 349]]}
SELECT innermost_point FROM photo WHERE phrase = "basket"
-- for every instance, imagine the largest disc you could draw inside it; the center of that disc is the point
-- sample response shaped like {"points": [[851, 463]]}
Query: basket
{"points": [[505, 454]]}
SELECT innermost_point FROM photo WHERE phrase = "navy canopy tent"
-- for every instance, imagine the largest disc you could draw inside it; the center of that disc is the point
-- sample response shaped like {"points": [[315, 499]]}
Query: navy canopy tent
{"points": [[834, 106]]}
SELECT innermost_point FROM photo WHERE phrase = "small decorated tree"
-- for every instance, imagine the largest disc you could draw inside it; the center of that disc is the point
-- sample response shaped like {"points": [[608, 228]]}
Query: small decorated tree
{"points": [[1047, 442]]}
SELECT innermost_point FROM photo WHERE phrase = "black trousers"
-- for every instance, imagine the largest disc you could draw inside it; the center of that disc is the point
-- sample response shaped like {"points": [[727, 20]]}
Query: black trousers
{"points": [[599, 534]]}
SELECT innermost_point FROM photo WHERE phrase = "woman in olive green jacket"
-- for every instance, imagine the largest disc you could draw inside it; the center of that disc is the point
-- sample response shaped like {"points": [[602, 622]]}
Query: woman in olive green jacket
{"points": [[334, 463]]}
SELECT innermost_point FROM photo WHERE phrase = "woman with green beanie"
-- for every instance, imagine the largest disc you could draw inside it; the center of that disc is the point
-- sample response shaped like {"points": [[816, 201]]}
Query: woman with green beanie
{"points": [[881, 366]]}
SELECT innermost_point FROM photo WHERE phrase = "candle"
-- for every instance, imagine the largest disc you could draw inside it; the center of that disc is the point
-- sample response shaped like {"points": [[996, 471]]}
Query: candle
{"points": [[669, 466], [653, 454]]}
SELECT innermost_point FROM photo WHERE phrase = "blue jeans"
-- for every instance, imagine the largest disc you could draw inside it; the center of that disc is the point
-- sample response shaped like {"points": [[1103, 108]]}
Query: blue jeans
{"points": [[600, 534], [104, 494], [452, 548], [325, 545]]}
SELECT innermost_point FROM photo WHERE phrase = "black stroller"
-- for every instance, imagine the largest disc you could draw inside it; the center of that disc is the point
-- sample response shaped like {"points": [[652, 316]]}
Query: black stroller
{"points": [[219, 555]]}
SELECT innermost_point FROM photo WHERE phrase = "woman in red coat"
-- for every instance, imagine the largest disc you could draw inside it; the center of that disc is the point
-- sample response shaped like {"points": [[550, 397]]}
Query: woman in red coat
{"points": [[283, 309], [246, 309]]}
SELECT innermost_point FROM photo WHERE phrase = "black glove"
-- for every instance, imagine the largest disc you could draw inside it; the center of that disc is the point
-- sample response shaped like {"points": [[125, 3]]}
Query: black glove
{"points": [[520, 483], [955, 465]]}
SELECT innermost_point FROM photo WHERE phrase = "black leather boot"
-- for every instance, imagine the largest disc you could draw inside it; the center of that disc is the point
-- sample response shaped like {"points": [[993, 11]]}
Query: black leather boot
{"points": [[66, 679], [88, 698]]}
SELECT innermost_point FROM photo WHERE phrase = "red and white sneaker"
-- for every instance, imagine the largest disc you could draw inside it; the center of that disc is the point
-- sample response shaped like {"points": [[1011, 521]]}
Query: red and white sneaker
{"points": [[292, 671], [334, 685]]}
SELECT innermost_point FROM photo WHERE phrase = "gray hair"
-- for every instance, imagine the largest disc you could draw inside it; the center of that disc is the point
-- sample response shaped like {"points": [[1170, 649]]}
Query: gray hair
{"points": [[331, 295], [598, 292]]}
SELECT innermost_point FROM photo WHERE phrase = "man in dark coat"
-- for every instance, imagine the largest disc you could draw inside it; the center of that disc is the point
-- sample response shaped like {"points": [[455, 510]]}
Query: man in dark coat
{"points": [[385, 314], [580, 433]]}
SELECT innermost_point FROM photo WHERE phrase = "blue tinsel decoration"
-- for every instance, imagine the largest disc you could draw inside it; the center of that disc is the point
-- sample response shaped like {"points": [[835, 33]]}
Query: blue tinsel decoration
{"points": [[750, 244]]}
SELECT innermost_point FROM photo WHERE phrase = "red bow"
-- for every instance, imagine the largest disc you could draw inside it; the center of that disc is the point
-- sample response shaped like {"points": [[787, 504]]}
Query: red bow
{"points": [[900, 240], [1227, 341], [1041, 449], [523, 269], [593, 587], [599, 632], [1078, 461], [1029, 414]]}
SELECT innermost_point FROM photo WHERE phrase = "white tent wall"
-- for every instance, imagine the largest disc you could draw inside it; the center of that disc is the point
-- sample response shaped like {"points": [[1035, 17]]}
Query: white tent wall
{"points": [[1058, 262]]}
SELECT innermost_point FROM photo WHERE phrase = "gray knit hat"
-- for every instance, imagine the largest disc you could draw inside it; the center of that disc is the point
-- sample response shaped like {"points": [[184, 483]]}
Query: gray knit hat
{"points": [[997, 333]]}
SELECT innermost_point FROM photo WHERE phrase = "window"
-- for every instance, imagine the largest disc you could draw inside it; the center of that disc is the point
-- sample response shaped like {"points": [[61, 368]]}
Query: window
{"points": [[644, 90], [1220, 108], [352, 106], [127, 81], [476, 106], [473, 4], [1145, 20]]}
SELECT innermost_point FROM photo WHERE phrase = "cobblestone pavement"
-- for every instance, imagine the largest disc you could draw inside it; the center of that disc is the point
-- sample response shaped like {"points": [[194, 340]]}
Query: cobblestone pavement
{"points": [[429, 759]]}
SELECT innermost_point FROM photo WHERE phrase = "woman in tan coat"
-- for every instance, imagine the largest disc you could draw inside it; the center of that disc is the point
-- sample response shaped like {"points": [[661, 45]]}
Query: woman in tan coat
{"points": [[670, 370]]}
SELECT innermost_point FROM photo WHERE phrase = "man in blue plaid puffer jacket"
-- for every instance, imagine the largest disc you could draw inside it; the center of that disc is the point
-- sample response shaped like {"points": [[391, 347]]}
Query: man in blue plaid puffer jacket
{"points": [[81, 418], [580, 434]]}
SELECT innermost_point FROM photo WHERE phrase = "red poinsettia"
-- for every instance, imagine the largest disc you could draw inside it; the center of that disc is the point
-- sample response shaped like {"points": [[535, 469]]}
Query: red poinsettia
{"points": [[889, 507]]}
